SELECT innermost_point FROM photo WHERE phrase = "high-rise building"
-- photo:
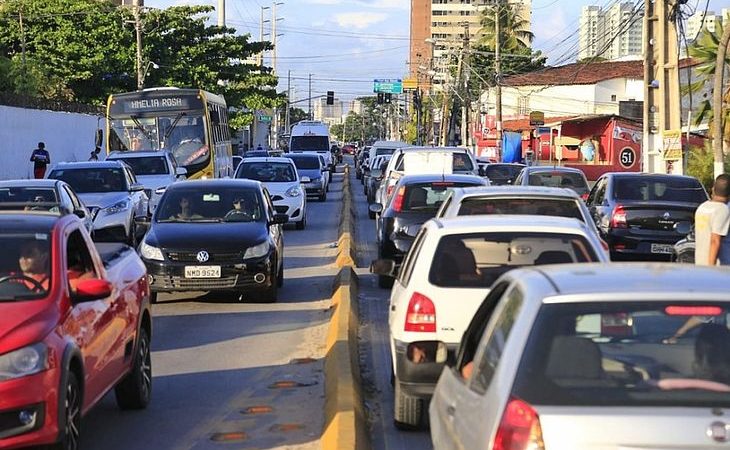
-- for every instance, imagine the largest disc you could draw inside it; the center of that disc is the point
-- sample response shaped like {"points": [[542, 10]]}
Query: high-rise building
{"points": [[701, 21], [611, 33], [420, 53], [330, 114]]}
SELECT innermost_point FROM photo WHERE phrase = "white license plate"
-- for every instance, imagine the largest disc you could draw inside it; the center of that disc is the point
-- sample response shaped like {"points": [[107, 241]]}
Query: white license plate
{"points": [[662, 248], [202, 271]]}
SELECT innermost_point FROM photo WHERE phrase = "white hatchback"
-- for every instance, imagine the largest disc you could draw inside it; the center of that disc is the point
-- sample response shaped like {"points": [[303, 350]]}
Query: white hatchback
{"points": [[445, 277], [592, 357], [281, 179]]}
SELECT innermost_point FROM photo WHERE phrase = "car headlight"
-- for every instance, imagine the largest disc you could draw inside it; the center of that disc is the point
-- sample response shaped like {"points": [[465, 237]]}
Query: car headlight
{"points": [[257, 250], [23, 362], [294, 191], [160, 190], [149, 252], [317, 180], [117, 207]]}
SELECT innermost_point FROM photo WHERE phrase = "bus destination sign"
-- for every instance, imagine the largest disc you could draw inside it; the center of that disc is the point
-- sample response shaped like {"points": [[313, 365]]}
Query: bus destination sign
{"points": [[151, 104]]}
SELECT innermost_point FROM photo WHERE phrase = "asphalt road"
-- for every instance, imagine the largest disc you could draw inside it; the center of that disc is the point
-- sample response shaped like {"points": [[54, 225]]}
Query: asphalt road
{"points": [[214, 358], [375, 360]]}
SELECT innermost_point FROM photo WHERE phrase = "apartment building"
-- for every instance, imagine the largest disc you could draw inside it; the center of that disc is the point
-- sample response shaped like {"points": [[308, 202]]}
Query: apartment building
{"points": [[330, 114], [611, 33]]}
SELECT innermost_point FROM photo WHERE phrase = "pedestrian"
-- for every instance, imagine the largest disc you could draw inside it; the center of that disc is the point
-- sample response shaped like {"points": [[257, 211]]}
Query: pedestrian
{"points": [[712, 219], [40, 159]]}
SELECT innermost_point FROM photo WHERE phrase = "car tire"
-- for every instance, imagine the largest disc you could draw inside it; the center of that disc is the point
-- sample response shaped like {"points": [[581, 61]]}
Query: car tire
{"points": [[135, 390], [270, 294], [407, 410], [153, 298], [385, 282], [358, 175], [280, 277], [371, 214], [323, 197], [132, 238], [302, 223], [70, 429]]}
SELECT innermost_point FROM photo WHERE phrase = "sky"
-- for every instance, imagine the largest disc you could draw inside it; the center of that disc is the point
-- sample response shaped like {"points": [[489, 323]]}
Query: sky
{"points": [[345, 44]]}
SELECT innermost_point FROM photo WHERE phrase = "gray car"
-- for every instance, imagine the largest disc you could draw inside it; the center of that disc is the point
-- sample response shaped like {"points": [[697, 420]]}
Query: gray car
{"points": [[111, 192], [592, 356], [549, 176]]}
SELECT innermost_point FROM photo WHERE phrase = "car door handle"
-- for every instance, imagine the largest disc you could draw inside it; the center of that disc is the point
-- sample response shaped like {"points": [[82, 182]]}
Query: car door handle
{"points": [[450, 411], [392, 308]]}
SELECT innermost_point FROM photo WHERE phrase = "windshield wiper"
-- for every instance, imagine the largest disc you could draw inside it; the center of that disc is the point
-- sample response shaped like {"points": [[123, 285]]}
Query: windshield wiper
{"points": [[173, 125], [139, 126]]}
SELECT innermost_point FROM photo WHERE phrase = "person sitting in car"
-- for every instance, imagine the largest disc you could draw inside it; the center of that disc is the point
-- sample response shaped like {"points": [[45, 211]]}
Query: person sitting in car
{"points": [[186, 211], [33, 261], [242, 211]]}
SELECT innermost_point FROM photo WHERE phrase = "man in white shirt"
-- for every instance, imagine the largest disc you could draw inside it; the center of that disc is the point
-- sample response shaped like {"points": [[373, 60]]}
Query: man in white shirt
{"points": [[712, 219]]}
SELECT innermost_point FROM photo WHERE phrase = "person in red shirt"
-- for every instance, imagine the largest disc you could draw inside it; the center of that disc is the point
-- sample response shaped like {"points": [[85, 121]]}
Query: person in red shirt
{"points": [[33, 261], [40, 159]]}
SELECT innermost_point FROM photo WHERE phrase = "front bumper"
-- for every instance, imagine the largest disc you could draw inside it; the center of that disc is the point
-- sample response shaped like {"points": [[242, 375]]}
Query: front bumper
{"points": [[36, 396], [419, 379], [294, 207], [113, 226], [169, 275]]}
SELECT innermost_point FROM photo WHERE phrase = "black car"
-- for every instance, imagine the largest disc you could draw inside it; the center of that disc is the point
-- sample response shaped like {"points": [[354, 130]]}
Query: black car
{"points": [[637, 213], [361, 158], [415, 199], [500, 174], [215, 235]]}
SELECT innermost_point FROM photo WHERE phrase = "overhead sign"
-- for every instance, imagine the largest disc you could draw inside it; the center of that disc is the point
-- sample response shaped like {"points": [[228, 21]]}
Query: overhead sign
{"points": [[537, 118], [410, 84], [144, 104], [627, 157], [265, 118], [672, 140], [388, 86]]}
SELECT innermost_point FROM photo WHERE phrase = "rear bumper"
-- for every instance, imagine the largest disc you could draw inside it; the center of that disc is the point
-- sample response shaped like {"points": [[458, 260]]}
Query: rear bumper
{"points": [[419, 379], [624, 245]]}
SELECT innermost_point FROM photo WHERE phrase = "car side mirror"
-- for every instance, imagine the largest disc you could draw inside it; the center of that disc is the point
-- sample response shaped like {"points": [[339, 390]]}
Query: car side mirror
{"points": [[91, 289], [136, 187], [683, 227], [305, 180], [181, 172], [280, 219], [377, 208], [383, 267], [80, 213]]}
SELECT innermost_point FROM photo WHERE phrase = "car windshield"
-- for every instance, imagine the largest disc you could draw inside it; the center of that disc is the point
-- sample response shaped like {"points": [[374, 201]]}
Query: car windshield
{"points": [[24, 266], [304, 143], [97, 179], [28, 199], [626, 354], [148, 165], [659, 189], [384, 151], [306, 162], [476, 260], [521, 205], [557, 178], [267, 172], [206, 205], [427, 196]]}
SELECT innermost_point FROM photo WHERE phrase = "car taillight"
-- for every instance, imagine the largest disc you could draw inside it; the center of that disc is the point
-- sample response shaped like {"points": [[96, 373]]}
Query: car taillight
{"points": [[421, 314], [584, 196], [398, 200], [520, 428], [618, 218]]}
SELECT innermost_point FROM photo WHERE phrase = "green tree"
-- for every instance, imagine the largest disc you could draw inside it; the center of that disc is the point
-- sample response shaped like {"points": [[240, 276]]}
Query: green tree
{"points": [[514, 30], [701, 165]]}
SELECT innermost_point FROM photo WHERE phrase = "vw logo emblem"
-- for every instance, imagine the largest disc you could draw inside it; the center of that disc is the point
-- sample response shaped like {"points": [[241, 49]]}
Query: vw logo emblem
{"points": [[666, 216], [202, 256], [718, 431]]}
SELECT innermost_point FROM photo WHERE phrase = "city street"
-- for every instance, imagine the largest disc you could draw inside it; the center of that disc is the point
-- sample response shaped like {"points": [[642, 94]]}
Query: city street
{"points": [[213, 358]]}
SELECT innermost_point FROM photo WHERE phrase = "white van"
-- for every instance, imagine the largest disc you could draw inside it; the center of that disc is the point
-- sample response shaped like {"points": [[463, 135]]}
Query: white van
{"points": [[312, 136]]}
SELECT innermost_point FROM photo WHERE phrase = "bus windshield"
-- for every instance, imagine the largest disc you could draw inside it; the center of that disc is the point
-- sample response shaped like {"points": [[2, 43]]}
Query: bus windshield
{"points": [[182, 133]]}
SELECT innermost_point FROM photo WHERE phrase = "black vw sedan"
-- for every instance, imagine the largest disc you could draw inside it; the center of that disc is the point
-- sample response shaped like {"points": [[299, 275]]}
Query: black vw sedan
{"points": [[216, 235]]}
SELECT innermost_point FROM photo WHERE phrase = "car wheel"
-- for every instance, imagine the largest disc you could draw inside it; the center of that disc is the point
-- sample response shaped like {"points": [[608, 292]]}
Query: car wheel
{"points": [[134, 391], [323, 197], [132, 238], [385, 282], [270, 294], [70, 423], [371, 214], [302, 223], [280, 276], [407, 411]]}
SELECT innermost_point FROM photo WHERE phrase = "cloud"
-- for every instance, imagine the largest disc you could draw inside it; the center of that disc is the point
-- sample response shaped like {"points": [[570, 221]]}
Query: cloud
{"points": [[359, 20]]}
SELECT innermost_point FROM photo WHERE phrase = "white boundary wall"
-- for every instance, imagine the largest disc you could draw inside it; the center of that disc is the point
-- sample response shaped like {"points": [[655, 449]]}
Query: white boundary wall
{"points": [[68, 137]]}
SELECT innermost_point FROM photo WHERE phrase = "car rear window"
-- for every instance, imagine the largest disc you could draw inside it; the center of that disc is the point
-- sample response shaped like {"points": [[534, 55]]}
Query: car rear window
{"points": [[306, 162], [522, 205], [100, 179], [152, 165], [623, 354], [658, 189], [428, 196], [478, 259], [267, 172], [570, 180], [461, 163], [502, 172]]}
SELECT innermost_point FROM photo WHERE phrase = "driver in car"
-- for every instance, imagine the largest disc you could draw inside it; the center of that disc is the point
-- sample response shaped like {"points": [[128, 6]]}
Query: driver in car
{"points": [[33, 262], [241, 210]]}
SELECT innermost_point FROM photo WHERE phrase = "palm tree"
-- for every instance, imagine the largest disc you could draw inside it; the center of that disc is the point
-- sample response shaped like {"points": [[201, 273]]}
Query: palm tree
{"points": [[514, 31]]}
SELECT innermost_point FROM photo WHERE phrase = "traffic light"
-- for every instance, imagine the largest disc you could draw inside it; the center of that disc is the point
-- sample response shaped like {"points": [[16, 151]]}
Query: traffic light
{"points": [[388, 98], [381, 98], [330, 97]]}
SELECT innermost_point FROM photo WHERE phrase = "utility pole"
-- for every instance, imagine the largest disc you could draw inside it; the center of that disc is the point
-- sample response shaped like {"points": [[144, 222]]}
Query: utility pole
{"points": [[310, 98], [287, 123], [221, 13], [661, 149], [138, 31], [498, 79], [466, 102], [261, 34]]}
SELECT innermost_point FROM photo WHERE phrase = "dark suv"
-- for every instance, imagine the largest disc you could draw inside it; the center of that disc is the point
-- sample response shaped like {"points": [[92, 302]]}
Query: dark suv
{"points": [[636, 213]]}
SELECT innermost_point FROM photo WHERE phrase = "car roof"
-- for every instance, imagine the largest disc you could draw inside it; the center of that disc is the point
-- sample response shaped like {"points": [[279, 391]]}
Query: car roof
{"points": [[216, 183], [108, 164], [43, 182], [138, 154], [426, 177], [635, 278], [390, 144], [302, 155], [27, 222], [435, 149], [500, 222], [521, 191], [648, 175], [552, 169], [272, 159]]}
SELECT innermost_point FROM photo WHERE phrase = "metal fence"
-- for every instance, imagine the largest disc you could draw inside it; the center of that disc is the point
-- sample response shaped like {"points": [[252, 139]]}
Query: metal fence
{"points": [[23, 101]]}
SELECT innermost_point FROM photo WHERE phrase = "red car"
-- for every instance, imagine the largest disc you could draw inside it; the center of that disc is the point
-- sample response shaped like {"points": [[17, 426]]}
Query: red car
{"points": [[348, 149], [75, 322]]}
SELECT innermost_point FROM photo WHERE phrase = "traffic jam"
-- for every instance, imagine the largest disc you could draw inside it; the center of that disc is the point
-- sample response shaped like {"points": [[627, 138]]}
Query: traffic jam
{"points": [[513, 322]]}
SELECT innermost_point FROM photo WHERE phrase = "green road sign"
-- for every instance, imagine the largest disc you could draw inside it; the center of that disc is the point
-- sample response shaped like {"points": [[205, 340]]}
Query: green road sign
{"points": [[388, 86], [265, 118]]}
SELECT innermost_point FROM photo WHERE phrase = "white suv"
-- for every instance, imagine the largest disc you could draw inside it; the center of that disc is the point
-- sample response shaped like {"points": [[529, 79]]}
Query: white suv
{"points": [[154, 169], [280, 177], [444, 278]]}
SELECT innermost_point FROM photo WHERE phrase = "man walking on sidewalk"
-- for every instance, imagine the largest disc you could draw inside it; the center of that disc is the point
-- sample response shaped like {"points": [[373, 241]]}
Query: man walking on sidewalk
{"points": [[712, 219], [40, 159]]}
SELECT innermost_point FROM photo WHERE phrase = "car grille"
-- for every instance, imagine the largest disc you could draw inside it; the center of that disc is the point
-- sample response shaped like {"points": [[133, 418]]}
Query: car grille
{"points": [[276, 198], [192, 257], [281, 209], [168, 282]]}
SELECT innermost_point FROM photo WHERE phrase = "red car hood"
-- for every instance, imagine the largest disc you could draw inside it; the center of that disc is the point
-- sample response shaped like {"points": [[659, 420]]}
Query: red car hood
{"points": [[24, 323]]}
